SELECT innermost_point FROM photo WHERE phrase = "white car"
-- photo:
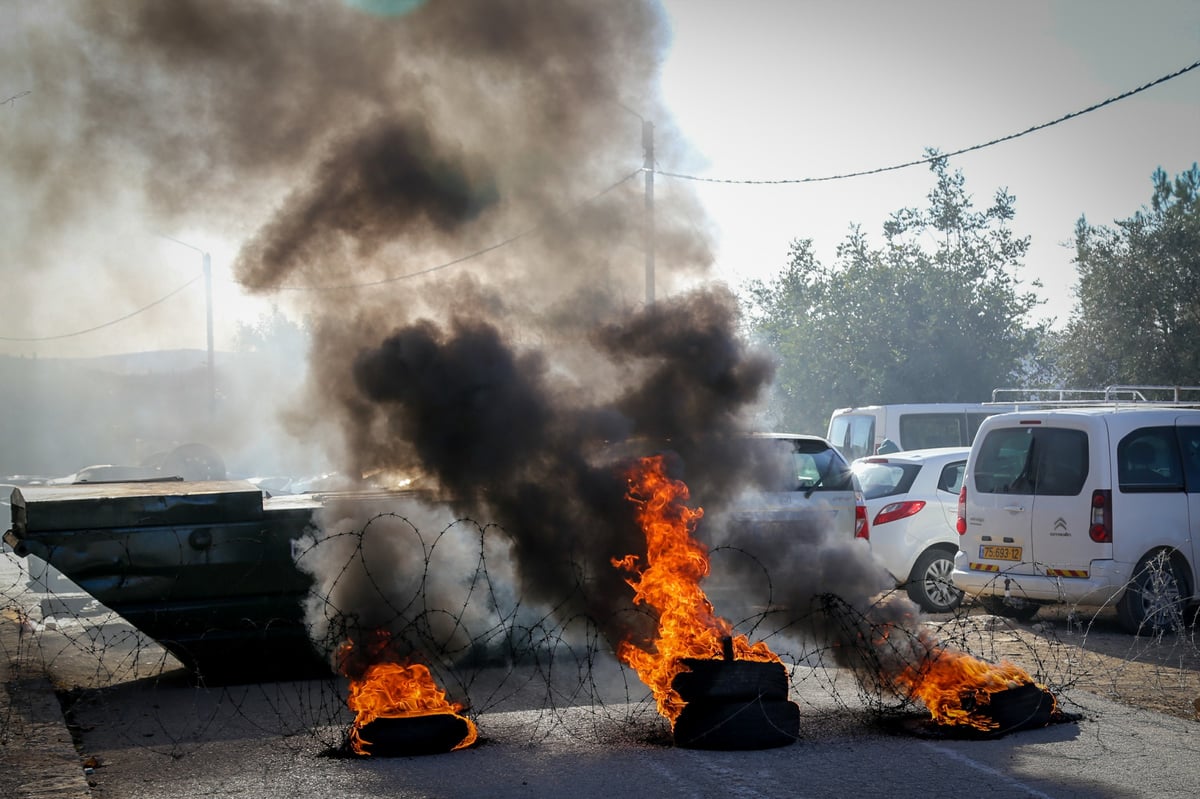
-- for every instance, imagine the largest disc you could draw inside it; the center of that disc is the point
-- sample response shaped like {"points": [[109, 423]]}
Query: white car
{"points": [[912, 509]]}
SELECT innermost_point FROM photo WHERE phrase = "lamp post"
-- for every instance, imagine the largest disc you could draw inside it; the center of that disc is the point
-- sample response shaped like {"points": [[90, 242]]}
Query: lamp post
{"points": [[206, 261]]}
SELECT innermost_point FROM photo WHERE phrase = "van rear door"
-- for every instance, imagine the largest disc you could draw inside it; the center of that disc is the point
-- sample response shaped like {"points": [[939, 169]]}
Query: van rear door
{"points": [[1000, 504], [1066, 471]]}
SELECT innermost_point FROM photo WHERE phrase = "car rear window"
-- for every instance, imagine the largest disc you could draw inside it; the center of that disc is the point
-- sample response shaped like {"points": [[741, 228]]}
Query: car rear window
{"points": [[1048, 461], [885, 479]]}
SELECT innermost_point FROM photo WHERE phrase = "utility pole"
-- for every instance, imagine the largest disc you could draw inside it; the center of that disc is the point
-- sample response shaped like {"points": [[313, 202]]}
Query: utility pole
{"points": [[648, 168], [206, 261], [212, 379]]}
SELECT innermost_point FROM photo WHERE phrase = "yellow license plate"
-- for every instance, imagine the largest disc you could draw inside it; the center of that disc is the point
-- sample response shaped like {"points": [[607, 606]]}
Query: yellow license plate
{"points": [[999, 553]]}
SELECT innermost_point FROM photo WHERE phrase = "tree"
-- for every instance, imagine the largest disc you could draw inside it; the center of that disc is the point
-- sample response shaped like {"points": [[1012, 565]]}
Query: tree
{"points": [[1137, 313], [899, 323], [276, 335]]}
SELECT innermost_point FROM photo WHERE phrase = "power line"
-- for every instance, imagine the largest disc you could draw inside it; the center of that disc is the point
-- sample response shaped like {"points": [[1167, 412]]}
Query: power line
{"points": [[940, 156], [130, 315], [379, 282], [462, 258]]}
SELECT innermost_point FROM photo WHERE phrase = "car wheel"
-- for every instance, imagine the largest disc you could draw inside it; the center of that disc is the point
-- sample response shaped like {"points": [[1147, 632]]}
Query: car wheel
{"points": [[929, 584], [1154, 600], [1016, 609]]}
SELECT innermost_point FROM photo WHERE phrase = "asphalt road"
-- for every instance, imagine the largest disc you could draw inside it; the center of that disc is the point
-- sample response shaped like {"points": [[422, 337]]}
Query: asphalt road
{"points": [[146, 730]]}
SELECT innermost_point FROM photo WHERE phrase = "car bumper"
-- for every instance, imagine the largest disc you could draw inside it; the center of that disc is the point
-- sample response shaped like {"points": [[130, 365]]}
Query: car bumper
{"points": [[1105, 581]]}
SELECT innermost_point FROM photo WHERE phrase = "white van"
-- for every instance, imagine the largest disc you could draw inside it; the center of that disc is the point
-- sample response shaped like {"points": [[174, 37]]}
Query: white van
{"points": [[1086, 506], [861, 431]]}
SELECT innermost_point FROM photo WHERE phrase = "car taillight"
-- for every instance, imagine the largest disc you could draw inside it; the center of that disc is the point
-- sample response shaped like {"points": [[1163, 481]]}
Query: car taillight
{"points": [[1100, 529], [961, 523], [898, 510], [861, 528]]}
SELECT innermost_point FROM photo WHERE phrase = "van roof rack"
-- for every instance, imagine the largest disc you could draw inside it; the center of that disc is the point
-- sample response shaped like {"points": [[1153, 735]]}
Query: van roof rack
{"points": [[1114, 395]]}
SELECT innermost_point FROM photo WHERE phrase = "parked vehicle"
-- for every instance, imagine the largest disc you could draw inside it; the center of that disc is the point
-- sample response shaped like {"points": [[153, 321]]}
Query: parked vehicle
{"points": [[912, 509], [797, 488], [861, 431], [1086, 506]]}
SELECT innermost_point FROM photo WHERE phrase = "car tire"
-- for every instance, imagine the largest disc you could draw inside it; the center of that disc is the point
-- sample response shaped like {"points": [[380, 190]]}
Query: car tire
{"points": [[1155, 599], [997, 606], [753, 724], [929, 582], [194, 462], [731, 681]]}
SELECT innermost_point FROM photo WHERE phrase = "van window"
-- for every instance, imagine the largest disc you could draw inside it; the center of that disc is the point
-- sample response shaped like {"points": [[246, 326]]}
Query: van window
{"points": [[1148, 460], [926, 430], [1026, 460], [853, 435], [1189, 447]]}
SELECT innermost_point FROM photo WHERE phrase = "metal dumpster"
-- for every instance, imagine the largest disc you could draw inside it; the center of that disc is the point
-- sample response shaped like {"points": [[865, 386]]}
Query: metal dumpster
{"points": [[203, 568]]}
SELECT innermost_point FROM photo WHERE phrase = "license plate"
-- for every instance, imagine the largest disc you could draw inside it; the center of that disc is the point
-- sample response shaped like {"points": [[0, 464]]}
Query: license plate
{"points": [[999, 553]]}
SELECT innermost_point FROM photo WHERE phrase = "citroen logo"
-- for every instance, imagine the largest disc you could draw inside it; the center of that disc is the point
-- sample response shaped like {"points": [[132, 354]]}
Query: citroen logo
{"points": [[1060, 527]]}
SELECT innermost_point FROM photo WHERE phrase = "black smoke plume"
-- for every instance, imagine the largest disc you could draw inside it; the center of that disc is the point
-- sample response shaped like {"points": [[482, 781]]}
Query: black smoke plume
{"points": [[447, 196]]}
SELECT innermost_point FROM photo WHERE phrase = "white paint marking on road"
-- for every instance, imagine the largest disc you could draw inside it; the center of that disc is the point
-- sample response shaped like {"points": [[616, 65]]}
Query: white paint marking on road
{"points": [[975, 764]]}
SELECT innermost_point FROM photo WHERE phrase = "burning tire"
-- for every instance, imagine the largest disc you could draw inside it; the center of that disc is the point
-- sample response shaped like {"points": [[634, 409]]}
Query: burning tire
{"points": [[753, 724], [731, 681], [1024, 707], [414, 735]]}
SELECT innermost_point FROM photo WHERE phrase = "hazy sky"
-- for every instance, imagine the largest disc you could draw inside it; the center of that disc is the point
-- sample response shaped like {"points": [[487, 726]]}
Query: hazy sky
{"points": [[759, 90], [769, 90]]}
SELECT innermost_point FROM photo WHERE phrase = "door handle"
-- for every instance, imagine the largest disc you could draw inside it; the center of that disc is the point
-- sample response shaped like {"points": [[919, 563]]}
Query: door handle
{"points": [[1014, 508]]}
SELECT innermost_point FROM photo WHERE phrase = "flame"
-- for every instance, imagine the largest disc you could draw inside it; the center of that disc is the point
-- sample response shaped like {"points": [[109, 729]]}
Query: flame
{"points": [[396, 690], [955, 686], [670, 583]]}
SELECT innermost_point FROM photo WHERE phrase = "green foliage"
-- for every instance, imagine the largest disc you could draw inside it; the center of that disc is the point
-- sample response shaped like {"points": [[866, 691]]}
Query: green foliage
{"points": [[935, 314], [273, 334], [1137, 317]]}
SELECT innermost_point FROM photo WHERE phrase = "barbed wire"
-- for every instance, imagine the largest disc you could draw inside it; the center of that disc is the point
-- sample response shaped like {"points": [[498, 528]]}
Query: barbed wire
{"points": [[528, 671]]}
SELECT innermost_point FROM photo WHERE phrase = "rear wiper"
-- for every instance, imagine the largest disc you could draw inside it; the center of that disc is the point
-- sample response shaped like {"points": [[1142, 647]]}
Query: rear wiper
{"points": [[820, 479]]}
